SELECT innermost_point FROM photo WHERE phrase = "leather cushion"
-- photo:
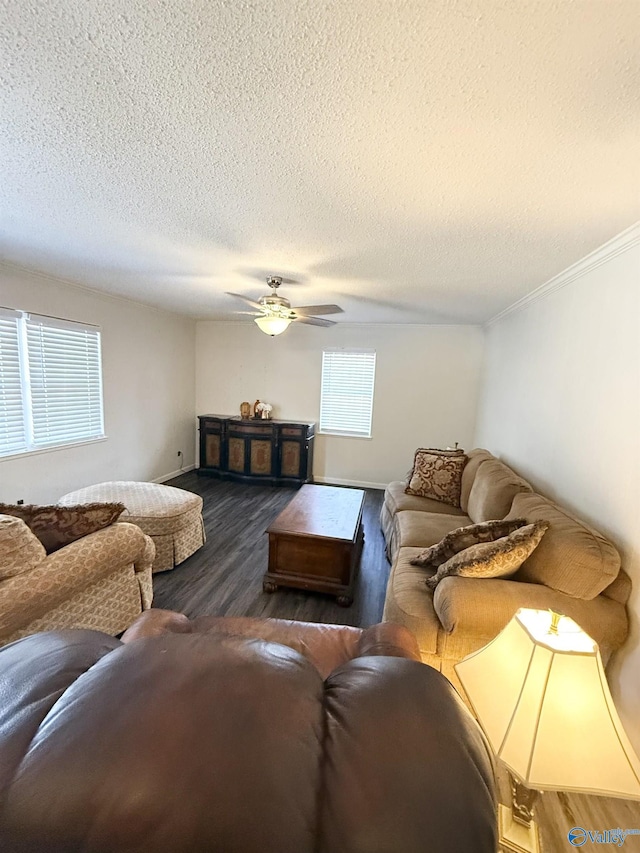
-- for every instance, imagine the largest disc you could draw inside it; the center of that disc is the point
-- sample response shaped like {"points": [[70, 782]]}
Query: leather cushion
{"points": [[186, 742]]}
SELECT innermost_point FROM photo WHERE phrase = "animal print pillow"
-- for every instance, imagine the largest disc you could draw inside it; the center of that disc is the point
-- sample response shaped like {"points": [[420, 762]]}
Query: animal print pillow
{"points": [[464, 537], [499, 559]]}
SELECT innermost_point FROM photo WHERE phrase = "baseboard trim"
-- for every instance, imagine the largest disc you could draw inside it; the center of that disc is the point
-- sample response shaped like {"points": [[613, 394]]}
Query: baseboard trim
{"points": [[325, 481], [172, 474], [359, 484]]}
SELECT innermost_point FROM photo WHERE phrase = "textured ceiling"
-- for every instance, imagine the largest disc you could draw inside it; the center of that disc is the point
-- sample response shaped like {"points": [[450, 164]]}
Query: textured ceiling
{"points": [[413, 161]]}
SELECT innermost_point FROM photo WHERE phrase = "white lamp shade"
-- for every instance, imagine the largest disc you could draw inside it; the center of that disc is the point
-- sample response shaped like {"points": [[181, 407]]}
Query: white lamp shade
{"points": [[545, 706], [272, 325]]}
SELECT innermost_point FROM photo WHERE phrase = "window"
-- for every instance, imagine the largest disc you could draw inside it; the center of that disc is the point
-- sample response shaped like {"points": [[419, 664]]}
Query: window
{"points": [[50, 382], [346, 396]]}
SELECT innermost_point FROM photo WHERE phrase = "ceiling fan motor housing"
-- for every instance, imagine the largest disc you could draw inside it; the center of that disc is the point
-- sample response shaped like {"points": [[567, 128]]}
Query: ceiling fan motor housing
{"points": [[275, 304]]}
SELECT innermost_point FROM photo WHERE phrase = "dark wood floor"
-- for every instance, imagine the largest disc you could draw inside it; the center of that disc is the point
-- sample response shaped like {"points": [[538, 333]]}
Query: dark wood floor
{"points": [[224, 578]]}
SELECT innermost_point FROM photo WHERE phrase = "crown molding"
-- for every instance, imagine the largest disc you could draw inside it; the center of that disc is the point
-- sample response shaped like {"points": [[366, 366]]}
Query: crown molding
{"points": [[11, 267], [619, 244]]}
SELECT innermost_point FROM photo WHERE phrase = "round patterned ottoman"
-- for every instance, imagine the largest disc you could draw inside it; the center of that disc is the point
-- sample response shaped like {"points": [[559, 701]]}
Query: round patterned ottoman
{"points": [[171, 517]]}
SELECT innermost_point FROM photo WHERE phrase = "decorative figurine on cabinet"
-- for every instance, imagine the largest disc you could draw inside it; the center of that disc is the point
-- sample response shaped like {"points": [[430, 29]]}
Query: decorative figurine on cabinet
{"points": [[263, 410], [245, 411]]}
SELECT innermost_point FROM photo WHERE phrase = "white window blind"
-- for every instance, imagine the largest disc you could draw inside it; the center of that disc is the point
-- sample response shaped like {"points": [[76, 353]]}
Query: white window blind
{"points": [[51, 386], [346, 397], [12, 421]]}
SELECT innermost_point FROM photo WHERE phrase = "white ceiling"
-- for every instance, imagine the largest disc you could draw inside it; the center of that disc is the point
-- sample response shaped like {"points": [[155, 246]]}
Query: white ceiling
{"points": [[427, 161]]}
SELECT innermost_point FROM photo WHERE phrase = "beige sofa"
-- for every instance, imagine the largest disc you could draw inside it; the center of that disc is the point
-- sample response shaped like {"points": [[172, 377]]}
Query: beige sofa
{"points": [[101, 581], [574, 570]]}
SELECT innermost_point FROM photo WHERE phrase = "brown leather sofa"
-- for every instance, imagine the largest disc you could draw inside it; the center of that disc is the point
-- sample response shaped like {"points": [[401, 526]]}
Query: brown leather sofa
{"points": [[210, 736]]}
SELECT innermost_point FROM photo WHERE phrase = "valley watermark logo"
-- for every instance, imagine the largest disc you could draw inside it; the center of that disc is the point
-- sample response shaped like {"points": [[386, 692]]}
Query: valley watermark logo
{"points": [[578, 836]]}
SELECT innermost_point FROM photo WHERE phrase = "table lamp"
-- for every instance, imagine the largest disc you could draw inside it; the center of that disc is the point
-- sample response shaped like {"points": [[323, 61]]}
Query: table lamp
{"points": [[540, 693]]}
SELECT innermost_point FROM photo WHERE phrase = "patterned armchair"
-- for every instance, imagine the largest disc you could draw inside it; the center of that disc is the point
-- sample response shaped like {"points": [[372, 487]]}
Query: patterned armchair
{"points": [[101, 581]]}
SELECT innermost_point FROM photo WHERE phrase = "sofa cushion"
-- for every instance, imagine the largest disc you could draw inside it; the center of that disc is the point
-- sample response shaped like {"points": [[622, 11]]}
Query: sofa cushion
{"points": [[20, 549], [421, 529], [476, 458], [410, 604], [464, 537], [397, 500], [498, 559], [437, 474], [620, 589], [57, 526], [472, 613], [494, 488], [572, 557]]}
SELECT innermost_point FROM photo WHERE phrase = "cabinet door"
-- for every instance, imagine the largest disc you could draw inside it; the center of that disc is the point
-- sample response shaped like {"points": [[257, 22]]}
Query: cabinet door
{"points": [[261, 457], [212, 450], [251, 449], [291, 457], [293, 452], [212, 443], [237, 454]]}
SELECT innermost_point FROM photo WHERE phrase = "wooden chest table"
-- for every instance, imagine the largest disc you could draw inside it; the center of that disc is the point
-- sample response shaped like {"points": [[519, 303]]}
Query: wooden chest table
{"points": [[316, 541]]}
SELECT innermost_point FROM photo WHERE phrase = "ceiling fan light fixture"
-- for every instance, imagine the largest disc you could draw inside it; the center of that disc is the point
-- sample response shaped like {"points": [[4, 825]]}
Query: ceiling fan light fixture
{"points": [[272, 325], [275, 312]]}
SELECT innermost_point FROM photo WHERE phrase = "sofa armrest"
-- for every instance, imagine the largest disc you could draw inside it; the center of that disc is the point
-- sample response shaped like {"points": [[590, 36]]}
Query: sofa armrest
{"points": [[388, 639], [155, 623], [67, 572], [482, 607], [146, 558]]}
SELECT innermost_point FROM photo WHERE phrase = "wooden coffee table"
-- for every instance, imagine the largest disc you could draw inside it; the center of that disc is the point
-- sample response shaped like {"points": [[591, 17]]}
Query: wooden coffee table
{"points": [[316, 541]]}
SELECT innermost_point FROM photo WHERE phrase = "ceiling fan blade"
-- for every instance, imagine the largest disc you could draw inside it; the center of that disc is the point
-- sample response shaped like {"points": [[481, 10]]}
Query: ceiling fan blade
{"points": [[244, 299], [314, 321], [309, 310]]}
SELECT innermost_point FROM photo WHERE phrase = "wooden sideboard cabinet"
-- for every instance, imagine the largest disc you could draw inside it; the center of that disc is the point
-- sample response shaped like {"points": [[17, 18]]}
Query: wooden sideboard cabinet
{"points": [[256, 451]]}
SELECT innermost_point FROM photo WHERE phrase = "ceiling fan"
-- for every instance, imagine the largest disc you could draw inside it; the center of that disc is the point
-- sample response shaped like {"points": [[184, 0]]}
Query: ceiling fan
{"points": [[275, 312]]}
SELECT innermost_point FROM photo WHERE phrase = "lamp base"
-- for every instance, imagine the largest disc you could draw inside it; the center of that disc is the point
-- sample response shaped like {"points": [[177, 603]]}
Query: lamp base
{"points": [[515, 836]]}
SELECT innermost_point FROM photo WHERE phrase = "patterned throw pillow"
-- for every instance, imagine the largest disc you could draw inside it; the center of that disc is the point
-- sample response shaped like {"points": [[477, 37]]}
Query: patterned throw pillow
{"points": [[437, 474], [464, 537], [20, 550], [57, 526], [498, 559]]}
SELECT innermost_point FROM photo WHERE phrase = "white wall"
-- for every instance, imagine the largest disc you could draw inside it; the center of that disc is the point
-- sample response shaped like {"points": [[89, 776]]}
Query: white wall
{"points": [[148, 376], [427, 380], [561, 403]]}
